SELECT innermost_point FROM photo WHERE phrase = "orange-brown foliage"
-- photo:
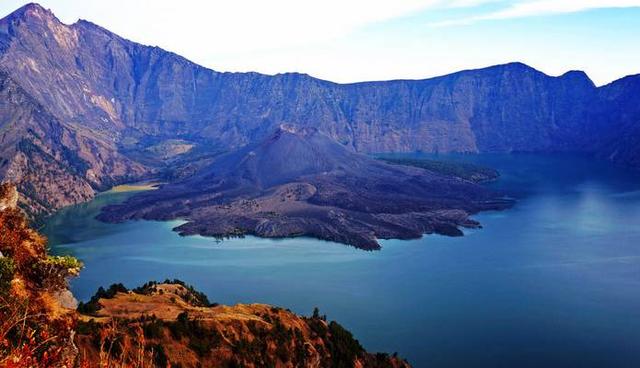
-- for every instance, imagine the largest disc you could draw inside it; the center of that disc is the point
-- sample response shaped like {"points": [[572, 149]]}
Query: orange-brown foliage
{"points": [[31, 335]]}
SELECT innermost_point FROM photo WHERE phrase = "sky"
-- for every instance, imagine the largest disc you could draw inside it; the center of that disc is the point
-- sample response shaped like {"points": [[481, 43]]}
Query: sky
{"points": [[360, 40]]}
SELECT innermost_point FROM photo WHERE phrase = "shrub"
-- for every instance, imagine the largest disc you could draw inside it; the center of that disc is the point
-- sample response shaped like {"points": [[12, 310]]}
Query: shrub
{"points": [[159, 355], [192, 296], [92, 306], [7, 269], [52, 272], [153, 329], [201, 338], [344, 348]]}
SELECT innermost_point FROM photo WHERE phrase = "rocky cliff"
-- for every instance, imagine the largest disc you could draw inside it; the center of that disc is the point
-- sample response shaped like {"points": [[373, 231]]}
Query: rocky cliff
{"points": [[117, 102]]}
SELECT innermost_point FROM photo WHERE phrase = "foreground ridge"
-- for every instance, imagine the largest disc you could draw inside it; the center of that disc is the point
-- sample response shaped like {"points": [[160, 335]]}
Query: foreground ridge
{"points": [[182, 326]]}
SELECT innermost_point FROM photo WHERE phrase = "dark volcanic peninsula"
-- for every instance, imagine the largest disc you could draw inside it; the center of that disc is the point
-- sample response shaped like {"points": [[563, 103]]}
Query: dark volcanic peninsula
{"points": [[300, 182]]}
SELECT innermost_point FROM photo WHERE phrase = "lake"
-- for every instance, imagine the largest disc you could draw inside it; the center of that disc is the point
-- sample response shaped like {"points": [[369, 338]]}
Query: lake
{"points": [[553, 282]]}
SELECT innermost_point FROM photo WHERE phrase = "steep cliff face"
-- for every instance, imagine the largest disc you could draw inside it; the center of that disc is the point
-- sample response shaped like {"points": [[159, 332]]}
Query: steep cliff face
{"points": [[92, 77], [55, 144], [123, 101], [617, 119], [33, 154], [52, 164]]}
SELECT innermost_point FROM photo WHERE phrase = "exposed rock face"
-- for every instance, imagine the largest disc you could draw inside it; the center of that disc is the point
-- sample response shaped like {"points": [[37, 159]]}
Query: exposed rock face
{"points": [[114, 103], [52, 164], [617, 121], [8, 197], [55, 160], [299, 181]]}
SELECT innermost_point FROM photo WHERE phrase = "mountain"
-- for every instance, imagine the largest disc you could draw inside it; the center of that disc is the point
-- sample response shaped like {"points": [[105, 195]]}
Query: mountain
{"points": [[300, 182], [155, 325], [129, 111], [53, 165], [618, 121]]}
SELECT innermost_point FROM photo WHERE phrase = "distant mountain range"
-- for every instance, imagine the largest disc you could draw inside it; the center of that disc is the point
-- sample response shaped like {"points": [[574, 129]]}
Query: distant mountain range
{"points": [[82, 109]]}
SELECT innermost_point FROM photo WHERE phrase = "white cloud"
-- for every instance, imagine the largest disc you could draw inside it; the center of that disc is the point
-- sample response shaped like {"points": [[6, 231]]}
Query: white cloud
{"points": [[544, 7], [471, 3], [532, 8]]}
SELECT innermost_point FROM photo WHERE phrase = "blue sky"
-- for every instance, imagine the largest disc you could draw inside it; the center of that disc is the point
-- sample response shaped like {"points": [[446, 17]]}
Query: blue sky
{"points": [[358, 40]]}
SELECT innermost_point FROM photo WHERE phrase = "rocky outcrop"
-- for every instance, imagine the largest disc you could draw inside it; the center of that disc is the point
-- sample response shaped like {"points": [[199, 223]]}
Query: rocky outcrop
{"points": [[8, 197]]}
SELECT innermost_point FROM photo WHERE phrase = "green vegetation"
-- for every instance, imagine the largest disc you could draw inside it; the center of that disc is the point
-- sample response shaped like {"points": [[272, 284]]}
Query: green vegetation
{"points": [[269, 344], [7, 270], [89, 327], [344, 348], [76, 164], [93, 306], [461, 170], [52, 272], [316, 314], [153, 329], [289, 343], [170, 148], [63, 263], [201, 338], [192, 296]]}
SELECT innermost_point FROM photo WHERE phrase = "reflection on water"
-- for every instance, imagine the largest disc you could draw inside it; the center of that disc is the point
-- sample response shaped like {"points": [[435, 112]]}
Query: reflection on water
{"points": [[552, 282]]}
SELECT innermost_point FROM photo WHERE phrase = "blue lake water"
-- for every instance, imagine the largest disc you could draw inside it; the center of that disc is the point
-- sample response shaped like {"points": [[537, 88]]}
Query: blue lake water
{"points": [[553, 282]]}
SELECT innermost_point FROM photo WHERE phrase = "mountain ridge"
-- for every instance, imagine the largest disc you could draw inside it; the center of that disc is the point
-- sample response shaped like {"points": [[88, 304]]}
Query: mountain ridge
{"points": [[131, 99]]}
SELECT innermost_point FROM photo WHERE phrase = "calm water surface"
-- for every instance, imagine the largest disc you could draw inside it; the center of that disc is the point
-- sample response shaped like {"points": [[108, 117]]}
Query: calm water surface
{"points": [[553, 282]]}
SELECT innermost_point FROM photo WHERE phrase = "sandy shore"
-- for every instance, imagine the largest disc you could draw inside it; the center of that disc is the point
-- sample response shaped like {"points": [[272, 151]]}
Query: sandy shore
{"points": [[134, 187]]}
